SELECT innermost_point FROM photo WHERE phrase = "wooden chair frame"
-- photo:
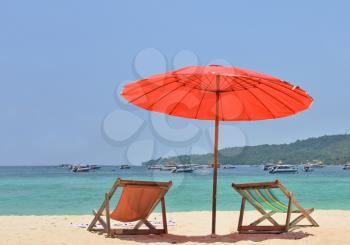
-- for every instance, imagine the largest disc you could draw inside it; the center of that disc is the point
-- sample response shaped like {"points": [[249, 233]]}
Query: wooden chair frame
{"points": [[106, 224], [275, 227]]}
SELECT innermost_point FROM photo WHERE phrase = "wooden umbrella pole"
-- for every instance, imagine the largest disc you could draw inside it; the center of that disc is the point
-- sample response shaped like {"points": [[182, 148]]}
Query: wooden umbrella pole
{"points": [[215, 165]]}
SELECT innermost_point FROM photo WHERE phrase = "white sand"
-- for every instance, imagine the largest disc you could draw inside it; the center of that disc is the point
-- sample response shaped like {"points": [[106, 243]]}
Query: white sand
{"points": [[190, 228]]}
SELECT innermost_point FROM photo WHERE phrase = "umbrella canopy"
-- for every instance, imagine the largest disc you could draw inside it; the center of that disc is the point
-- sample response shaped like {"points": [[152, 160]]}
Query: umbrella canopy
{"points": [[217, 93]]}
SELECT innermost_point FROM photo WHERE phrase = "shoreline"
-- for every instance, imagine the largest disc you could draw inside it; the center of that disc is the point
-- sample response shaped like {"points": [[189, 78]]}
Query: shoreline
{"points": [[248, 209], [186, 227]]}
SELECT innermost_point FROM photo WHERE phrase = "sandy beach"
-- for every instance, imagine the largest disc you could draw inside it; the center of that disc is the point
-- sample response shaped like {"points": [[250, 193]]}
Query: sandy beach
{"points": [[186, 228]]}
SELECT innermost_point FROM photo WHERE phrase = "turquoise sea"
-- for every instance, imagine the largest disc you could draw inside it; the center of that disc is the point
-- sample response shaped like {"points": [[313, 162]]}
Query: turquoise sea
{"points": [[53, 190]]}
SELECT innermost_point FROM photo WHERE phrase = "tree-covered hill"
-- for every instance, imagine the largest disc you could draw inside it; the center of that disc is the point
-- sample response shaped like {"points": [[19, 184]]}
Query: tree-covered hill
{"points": [[334, 149]]}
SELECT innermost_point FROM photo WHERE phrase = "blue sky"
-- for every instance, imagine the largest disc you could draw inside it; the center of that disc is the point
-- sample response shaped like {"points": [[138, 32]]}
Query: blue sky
{"points": [[63, 62]]}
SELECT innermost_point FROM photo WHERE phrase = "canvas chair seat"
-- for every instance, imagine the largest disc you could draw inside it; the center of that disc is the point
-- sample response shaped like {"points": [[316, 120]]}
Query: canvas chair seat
{"points": [[136, 203]]}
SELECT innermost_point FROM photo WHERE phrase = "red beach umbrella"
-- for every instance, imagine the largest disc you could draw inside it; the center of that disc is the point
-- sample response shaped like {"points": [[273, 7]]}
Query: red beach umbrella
{"points": [[217, 93]]}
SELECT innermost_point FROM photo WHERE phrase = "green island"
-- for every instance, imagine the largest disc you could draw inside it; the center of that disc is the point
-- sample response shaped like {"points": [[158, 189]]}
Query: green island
{"points": [[329, 149]]}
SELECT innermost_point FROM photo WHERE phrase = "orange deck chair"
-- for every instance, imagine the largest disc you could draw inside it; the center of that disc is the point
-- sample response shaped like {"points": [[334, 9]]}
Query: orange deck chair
{"points": [[137, 201]]}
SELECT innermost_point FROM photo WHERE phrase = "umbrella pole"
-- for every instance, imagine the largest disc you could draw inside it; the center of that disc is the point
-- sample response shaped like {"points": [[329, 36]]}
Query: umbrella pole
{"points": [[215, 165]]}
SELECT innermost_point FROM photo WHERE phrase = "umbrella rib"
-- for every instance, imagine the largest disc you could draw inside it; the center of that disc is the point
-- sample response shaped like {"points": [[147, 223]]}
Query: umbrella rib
{"points": [[200, 103], [285, 93], [274, 81], [180, 101], [161, 97], [148, 92], [258, 99], [280, 101], [263, 80], [149, 81], [276, 99], [198, 83]]}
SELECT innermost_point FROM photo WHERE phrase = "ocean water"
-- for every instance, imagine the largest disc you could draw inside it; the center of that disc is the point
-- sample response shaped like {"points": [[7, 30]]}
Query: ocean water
{"points": [[53, 190]]}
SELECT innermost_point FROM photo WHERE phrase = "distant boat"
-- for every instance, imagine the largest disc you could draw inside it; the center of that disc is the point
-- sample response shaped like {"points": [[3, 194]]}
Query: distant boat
{"points": [[197, 166], [154, 167], [228, 166], [124, 166], [346, 166], [81, 168], [317, 165], [183, 169], [284, 169]]}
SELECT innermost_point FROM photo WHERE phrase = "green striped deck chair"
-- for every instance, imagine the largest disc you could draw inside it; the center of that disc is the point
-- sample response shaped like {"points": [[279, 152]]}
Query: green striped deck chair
{"points": [[264, 199]]}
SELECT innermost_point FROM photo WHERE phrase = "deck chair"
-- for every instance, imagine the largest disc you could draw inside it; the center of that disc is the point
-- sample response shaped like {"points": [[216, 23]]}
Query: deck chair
{"points": [[261, 196], [137, 201]]}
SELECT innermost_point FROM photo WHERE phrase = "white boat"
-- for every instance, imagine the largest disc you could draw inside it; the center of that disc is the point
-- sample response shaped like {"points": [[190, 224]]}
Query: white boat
{"points": [[183, 169], [346, 166], [124, 166], [284, 169], [196, 166], [81, 168], [317, 165], [154, 167], [228, 166]]}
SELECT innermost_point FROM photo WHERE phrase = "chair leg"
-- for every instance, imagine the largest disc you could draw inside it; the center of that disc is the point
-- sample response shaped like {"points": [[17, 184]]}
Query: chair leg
{"points": [[300, 217], [100, 220], [103, 205], [93, 222], [108, 221], [149, 225], [241, 213], [289, 212], [165, 224], [304, 213], [138, 225]]}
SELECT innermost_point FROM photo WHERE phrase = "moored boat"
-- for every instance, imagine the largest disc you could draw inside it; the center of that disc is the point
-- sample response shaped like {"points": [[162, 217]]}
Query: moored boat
{"points": [[154, 167], [226, 166], [346, 166], [183, 169], [284, 169], [317, 165], [80, 168], [124, 166]]}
